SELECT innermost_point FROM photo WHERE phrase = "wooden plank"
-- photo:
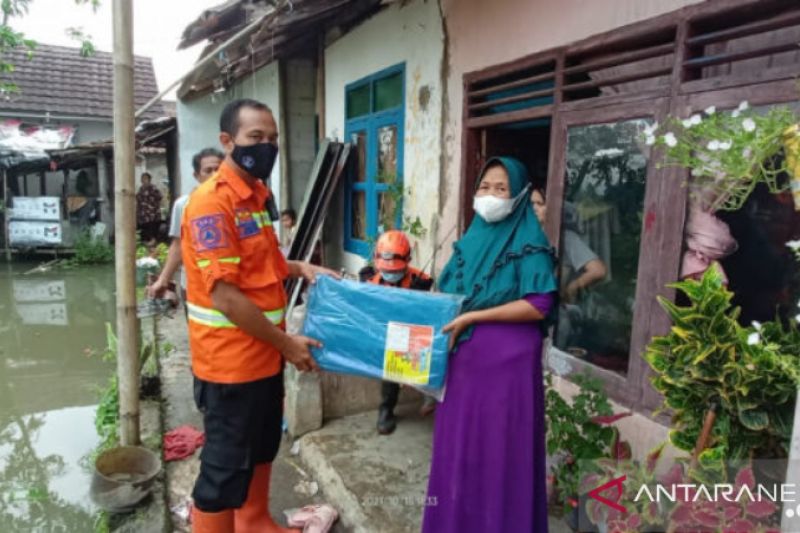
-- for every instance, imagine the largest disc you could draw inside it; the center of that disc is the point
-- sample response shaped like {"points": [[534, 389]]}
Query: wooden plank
{"points": [[614, 100], [623, 58], [781, 21], [756, 93], [710, 61], [649, 74], [510, 67], [513, 84], [508, 117], [470, 153], [788, 72], [511, 99]]}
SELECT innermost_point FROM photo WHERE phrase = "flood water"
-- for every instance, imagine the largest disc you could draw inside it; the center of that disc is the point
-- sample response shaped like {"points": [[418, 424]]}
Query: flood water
{"points": [[50, 325]]}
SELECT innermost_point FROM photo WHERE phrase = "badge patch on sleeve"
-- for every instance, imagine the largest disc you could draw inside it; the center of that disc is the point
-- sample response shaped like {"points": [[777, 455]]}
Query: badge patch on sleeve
{"points": [[246, 224], [208, 232]]}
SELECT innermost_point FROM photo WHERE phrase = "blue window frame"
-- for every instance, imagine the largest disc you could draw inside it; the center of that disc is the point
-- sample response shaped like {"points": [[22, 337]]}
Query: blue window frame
{"points": [[374, 114]]}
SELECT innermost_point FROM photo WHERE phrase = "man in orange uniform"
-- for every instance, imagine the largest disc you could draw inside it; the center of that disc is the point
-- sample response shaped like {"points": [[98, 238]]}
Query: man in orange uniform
{"points": [[236, 303], [392, 261]]}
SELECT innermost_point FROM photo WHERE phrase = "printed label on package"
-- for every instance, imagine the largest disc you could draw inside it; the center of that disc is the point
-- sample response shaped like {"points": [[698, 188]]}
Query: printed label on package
{"points": [[407, 357]]}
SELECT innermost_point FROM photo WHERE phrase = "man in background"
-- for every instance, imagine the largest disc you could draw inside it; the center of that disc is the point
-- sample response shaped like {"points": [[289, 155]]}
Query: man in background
{"points": [[148, 209], [205, 163]]}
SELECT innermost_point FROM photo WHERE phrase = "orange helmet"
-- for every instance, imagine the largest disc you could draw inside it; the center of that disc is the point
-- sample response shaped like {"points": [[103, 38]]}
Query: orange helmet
{"points": [[392, 251]]}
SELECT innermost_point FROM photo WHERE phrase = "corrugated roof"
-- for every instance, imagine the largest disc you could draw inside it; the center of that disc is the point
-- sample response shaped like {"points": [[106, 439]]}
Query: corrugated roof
{"points": [[286, 27], [59, 81]]}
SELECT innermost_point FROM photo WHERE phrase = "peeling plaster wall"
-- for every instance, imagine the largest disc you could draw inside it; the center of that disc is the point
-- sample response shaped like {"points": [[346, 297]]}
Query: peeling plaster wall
{"points": [[412, 35], [482, 34], [198, 120]]}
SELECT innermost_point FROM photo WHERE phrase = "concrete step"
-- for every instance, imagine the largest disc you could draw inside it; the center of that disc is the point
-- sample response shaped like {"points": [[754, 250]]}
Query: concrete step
{"points": [[378, 483]]}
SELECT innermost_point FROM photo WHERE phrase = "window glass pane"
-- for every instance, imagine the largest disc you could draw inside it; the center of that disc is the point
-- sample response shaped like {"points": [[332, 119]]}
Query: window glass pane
{"points": [[389, 92], [387, 211], [359, 215], [387, 154], [602, 219], [358, 101], [360, 140]]}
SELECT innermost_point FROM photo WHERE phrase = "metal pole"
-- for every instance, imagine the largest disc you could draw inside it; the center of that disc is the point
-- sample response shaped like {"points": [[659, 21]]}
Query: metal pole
{"points": [[125, 223]]}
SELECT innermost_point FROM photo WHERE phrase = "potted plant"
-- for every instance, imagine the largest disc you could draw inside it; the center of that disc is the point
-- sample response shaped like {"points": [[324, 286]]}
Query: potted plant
{"points": [[746, 374], [578, 431], [641, 515]]}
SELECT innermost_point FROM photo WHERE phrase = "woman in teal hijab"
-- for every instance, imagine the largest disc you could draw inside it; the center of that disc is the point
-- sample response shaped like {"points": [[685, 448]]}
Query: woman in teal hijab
{"points": [[488, 466]]}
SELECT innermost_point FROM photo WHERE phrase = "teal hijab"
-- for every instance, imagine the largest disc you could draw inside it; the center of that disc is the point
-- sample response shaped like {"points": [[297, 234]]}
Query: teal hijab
{"points": [[493, 264]]}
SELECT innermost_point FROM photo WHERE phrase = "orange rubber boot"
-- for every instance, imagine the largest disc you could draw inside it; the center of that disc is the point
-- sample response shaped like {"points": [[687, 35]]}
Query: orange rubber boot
{"points": [[253, 516], [203, 522]]}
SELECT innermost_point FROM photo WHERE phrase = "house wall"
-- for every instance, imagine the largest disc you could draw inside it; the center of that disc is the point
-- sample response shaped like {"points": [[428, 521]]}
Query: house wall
{"points": [[301, 138], [90, 130], [198, 120], [482, 34], [412, 35]]}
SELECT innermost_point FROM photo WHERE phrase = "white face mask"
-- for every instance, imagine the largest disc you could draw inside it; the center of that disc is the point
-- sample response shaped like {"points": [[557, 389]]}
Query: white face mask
{"points": [[392, 277], [493, 209]]}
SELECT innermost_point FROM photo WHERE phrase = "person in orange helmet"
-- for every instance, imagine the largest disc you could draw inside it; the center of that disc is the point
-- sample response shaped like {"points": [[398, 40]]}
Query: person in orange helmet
{"points": [[392, 267]]}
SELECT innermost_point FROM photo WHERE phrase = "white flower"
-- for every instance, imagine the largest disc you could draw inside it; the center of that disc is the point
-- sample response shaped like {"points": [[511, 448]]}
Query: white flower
{"points": [[713, 145], [735, 113], [749, 124], [794, 245], [747, 152], [710, 110], [145, 262], [697, 172], [797, 318], [750, 366], [650, 140], [670, 140], [650, 129], [743, 106], [696, 119], [757, 325], [753, 339], [725, 145], [686, 123]]}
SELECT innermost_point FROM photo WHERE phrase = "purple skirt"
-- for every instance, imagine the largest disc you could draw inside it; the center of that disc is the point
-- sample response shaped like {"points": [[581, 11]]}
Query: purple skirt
{"points": [[488, 465]]}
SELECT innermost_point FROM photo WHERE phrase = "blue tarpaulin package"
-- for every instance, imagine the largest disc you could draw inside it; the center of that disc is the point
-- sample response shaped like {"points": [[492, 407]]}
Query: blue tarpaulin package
{"points": [[381, 332]]}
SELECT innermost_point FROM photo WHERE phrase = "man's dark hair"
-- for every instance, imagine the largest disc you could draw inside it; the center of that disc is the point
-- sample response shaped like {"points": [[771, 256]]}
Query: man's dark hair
{"points": [[205, 152], [149, 176], [291, 213], [229, 119]]}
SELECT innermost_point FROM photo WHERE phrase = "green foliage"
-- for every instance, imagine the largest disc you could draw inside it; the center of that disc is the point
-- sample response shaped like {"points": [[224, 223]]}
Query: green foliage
{"points": [[641, 512], [729, 154], [90, 250], [161, 251], [749, 375], [11, 39], [573, 430]]}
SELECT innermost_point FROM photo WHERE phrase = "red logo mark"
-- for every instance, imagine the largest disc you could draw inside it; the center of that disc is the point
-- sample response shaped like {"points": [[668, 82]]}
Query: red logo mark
{"points": [[595, 493]]}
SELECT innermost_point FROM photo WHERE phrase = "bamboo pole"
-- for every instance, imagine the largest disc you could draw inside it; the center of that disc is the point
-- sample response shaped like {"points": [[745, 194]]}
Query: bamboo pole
{"points": [[125, 223]]}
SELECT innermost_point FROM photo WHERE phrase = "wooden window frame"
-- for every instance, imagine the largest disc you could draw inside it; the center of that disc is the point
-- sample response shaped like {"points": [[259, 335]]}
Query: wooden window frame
{"points": [[665, 195], [370, 123]]}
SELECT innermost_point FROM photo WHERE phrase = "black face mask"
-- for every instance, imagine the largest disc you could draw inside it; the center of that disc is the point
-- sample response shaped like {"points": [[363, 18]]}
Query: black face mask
{"points": [[257, 159]]}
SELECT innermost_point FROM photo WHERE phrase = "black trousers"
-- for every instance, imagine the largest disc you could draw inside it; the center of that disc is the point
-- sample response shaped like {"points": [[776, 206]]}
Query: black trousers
{"points": [[243, 429]]}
